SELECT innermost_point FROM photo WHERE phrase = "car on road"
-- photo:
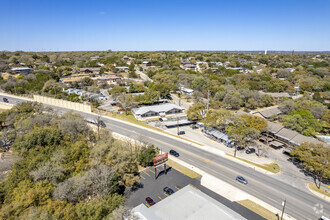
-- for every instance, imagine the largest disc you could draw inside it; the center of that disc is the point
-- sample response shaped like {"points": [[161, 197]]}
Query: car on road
{"points": [[241, 179], [5, 100], [250, 151], [181, 132], [150, 201], [168, 191], [174, 153]]}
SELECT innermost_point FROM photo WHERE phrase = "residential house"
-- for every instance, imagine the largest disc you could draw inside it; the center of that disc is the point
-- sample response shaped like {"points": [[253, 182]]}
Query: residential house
{"points": [[268, 112], [187, 91], [191, 66], [93, 70], [21, 70], [95, 58], [111, 80], [122, 69], [146, 63]]}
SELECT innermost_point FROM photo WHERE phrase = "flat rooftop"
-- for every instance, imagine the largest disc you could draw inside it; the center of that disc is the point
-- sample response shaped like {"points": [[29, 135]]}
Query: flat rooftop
{"points": [[187, 203]]}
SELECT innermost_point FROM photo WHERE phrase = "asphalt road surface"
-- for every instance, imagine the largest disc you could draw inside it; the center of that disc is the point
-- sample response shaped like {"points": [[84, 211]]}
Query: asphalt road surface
{"points": [[300, 204]]}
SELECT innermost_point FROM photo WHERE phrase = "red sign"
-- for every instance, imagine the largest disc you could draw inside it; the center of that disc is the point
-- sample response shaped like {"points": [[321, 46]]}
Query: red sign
{"points": [[160, 159]]}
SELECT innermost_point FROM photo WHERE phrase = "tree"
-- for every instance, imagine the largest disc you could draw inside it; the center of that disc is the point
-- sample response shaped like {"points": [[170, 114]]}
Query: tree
{"points": [[196, 111], [303, 122], [267, 100], [283, 73], [232, 100], [72, 125], [52, 170], [126, 101], [287, 107], [146, 155], [315, 158], [97, 182], [219, 119]]}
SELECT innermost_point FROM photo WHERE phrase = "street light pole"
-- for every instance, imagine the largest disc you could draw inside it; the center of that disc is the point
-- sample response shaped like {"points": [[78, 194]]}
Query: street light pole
{"points": [[283, 204]]}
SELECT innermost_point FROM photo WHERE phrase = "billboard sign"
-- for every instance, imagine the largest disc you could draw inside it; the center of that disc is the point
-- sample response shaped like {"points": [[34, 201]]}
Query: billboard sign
{"points": [[160, 159]]}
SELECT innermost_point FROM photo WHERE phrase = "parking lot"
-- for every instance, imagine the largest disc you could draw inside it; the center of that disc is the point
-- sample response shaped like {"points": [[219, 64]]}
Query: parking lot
{"points": [[153, 188]]}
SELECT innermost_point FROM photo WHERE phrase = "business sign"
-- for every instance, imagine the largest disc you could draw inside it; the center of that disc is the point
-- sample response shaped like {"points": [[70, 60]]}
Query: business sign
{"points": [[160, 159]]}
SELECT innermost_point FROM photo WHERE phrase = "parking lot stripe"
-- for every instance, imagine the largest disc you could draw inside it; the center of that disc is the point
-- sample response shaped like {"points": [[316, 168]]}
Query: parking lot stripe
{"points": [[177, 188], [165, 194], [160, 198], [147, 205], [151, 170], [146, 173], [142, 177]]}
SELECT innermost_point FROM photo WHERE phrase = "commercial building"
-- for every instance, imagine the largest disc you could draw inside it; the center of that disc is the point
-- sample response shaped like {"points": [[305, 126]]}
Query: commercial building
{"points": [[156, 110], [186, 204]]}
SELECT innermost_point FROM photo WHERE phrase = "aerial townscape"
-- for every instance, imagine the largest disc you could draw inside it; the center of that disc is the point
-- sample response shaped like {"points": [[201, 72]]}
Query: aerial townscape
{"points": [[165, 110]]}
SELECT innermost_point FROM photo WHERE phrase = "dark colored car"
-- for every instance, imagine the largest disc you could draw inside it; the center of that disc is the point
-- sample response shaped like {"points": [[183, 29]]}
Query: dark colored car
{"points": [[174, 153], [250, 151], [102, 124], [239, 148], [150, 201], [169, 191], [181, 132], [5, 100], [241, 179]]}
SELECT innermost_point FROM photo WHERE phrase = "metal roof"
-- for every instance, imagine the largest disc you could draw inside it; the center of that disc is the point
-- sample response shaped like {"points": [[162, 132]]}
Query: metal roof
{"points": [[155, 108], [187, 204]]}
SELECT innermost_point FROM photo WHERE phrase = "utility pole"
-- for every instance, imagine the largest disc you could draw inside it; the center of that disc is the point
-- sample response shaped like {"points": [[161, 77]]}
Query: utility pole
{"points": [[283, 204]]}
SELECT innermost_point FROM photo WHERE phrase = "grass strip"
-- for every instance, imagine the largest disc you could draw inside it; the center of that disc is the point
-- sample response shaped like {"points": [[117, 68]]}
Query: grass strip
{"points": [[182, 169], [312, 186], [258, 209], [272, 167]]}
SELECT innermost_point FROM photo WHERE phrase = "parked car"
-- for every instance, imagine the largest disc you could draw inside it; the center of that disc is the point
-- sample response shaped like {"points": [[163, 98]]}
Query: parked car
{"points": [[240, 148], [241, 179], [194, 126], [174, 153], [169, 191], [181, 132], [250, 151], [5, 100], [150, 201]]}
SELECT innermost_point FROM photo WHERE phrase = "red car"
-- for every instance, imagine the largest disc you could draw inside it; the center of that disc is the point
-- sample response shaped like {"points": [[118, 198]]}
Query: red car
{"points": [[150, 201]]}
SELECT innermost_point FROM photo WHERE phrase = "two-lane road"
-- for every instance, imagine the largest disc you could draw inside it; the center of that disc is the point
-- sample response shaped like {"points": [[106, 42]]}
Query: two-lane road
{"points": [[300, 204]]}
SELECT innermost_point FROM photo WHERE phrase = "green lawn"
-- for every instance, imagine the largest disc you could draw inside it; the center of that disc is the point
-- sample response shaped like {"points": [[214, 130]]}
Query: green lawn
{"points": [[314, 188], [272, 167]]}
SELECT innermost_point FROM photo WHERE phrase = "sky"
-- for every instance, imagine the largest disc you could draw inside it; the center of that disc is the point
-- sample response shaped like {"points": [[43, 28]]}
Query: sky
{"points": [[148, 25]]}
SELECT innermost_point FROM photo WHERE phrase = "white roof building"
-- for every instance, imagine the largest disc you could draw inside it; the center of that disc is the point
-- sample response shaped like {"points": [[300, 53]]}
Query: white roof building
{"points": [[156, 110], [186, 204]]}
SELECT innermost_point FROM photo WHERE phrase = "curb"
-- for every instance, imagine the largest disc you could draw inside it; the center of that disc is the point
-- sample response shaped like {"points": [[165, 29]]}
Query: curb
{"points": [[324, 197]]}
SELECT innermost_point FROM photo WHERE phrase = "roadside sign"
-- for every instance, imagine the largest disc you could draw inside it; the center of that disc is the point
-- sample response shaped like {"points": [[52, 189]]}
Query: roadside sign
{"points": [[160, 159]]}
